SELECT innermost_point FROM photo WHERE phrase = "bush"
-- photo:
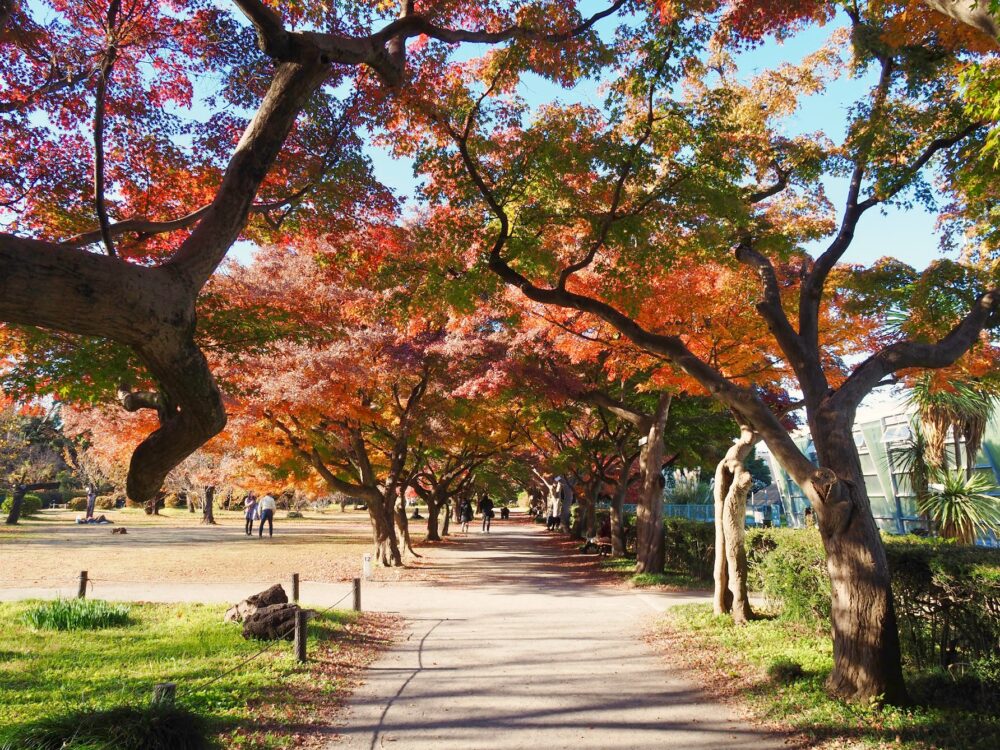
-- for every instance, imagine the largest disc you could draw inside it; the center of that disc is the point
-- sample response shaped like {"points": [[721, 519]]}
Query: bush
{"points": [[789, 567], [173, 500], [77, 503], [946, 596], [689, 547], [105, 502], [50, 497], [78, 614], [125, 728], [947, 599], [30, 505]]}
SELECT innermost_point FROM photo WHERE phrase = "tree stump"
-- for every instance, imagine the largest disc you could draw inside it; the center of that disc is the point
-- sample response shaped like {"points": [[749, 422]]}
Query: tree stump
{"points": [[239, 612], [271, 623]]}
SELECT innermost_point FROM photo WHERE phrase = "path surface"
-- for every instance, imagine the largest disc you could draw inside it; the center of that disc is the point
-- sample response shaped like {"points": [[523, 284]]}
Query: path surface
{"points": [[512, 650]]}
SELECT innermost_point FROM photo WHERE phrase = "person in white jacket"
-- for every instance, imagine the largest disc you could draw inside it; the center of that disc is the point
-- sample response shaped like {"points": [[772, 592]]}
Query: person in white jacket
{"points": [[266, 506]]}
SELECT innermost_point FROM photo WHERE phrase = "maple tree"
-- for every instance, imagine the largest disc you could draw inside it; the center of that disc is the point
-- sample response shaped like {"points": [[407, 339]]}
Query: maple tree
{"points": [[93, 135], [688, 162]]}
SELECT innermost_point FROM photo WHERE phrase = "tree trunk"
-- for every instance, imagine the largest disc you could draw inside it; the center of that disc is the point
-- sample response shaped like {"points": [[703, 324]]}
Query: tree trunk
{"points": [[649, 515], [399, 511], [582, 497], [386, 546], [16, 503], [208, 509], [447, 518], [433, 519], [732, 482], [618, 515], [189, 499], [866, 653]]}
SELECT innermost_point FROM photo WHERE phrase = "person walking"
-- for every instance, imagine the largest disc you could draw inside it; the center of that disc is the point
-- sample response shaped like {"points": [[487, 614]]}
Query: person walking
{"points": [[565, 501], [486, 508], [249, 511], [266, 507], [465, 513]]}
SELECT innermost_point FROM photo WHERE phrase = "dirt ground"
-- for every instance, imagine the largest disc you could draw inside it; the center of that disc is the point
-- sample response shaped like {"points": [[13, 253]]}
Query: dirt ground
{"points": [[175, 547]]}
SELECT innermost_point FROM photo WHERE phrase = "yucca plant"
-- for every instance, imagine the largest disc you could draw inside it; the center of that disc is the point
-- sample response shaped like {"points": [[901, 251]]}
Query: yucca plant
{"points": [[963, 409], [960, 506]]}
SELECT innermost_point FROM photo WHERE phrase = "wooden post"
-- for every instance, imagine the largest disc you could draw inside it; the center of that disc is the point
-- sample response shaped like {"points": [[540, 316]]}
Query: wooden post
{"points": [[357, 594], [300, 635], [81, 592], [295, 587], [164, 693]]}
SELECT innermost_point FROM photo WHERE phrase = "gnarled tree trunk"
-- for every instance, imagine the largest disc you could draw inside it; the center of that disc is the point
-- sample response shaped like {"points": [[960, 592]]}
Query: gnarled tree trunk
{"points": [[386, 546], [208, 509], [732, 483], [866, 653], [399, 511], [447, 518], [649, 514], [16, 503]]}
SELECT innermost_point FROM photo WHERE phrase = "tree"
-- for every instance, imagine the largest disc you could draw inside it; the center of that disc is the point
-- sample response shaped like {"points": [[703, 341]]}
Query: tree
{"points": [[685, 166], [86, 135]]}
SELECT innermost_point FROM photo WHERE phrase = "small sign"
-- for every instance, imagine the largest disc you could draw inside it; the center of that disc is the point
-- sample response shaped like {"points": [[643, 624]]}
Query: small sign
{"points": [[643, 440]]}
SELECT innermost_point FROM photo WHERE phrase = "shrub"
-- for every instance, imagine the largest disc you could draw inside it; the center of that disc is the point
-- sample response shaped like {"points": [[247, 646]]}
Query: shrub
{"points": [[105, 502], [50, 497], [124, 728], [789, 567], [947, 599], [173, 500], [77, 503], [30, 505], [689, 546], [78, 614], [946, 596]]}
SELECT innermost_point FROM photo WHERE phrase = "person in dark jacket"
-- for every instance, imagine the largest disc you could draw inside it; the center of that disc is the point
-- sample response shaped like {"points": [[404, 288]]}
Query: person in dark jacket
{"points": [[486, 508], [465, 513]]}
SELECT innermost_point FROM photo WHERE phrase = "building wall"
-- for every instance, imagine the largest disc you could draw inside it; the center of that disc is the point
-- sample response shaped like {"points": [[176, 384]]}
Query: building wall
{"points": [[892, 499]]}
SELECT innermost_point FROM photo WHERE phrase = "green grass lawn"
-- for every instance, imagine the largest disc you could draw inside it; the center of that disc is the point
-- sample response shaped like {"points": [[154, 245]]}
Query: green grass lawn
{"points": [[46, 673], [947, 714]]}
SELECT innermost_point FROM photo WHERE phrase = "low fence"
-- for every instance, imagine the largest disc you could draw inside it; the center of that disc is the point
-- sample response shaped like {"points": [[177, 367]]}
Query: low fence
{"points": [[165, 693]]}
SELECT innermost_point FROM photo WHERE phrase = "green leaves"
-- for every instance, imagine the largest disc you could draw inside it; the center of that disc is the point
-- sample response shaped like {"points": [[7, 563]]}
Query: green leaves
{"points": [[962, 507]]}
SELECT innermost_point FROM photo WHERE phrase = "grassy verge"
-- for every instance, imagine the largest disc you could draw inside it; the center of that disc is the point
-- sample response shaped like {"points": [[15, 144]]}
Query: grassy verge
{"points": [[44, 674], [624, 567], [778, 669]]}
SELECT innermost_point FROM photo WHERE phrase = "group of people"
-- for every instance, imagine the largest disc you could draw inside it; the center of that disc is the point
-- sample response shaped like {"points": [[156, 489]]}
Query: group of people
{"points": [[484, 507], [262, 510]]}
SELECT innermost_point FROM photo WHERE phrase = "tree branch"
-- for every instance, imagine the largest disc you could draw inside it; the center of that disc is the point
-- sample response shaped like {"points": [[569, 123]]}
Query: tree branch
{"points": [[907, 354]]}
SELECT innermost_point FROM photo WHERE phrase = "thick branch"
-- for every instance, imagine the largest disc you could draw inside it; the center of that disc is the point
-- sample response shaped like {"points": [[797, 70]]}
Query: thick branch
{"points": [[974, 13], [206, 246], [907, 354]]}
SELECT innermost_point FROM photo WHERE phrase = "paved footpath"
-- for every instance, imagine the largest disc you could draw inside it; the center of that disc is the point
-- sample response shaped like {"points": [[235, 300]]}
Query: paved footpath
{"points": [[513, 650]]}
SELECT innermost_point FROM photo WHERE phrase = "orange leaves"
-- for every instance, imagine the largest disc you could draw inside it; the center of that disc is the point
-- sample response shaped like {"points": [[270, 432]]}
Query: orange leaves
{"points": [[752, 20]]}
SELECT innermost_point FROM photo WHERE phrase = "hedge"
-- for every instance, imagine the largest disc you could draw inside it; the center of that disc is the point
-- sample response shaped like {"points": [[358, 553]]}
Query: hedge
{"points": [[946, 596], [689, 547], [30, 505]]}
